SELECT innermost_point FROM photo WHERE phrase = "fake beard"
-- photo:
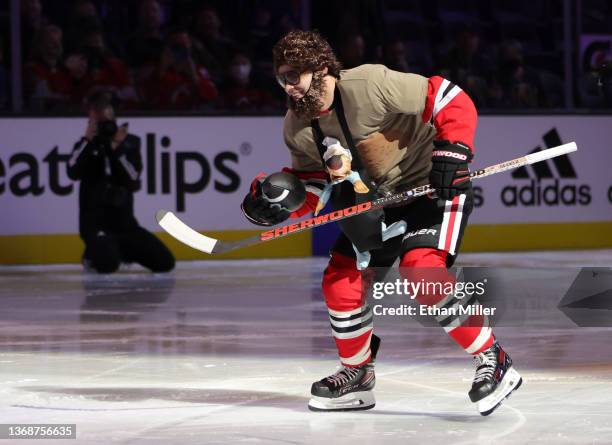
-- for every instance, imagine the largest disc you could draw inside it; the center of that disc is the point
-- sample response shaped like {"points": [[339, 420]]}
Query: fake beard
{"points": [[310, 105]]}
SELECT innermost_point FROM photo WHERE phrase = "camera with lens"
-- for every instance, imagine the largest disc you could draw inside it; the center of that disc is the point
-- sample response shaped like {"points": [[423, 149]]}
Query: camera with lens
{"points": [[107, 129]]}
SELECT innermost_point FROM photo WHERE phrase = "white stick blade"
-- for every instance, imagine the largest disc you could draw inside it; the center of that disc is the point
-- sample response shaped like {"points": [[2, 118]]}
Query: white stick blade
{"points": [[552, 152], [185, 234]]}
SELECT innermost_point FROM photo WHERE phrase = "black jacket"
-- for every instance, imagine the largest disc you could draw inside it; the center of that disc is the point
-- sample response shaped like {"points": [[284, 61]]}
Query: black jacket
{"points": [[108, 179]]}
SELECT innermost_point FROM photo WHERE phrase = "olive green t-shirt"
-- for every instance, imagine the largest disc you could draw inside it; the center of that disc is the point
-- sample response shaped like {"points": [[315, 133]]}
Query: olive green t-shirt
{"points": [[383, 111]]}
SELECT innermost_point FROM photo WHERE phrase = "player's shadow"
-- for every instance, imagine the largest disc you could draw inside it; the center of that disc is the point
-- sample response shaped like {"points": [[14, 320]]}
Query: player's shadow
{"points": [[216, 396], [449, 417]]}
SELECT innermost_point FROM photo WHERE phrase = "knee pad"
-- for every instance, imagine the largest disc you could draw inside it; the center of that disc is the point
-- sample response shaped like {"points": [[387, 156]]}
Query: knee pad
{"points": [[342, 283], [427, 265], [424, 257]]}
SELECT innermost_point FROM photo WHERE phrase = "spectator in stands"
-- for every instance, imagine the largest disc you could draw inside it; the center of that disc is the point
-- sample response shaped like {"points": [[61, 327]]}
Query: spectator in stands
{"points": [[338, 20], [85, 8], [104, 70], [32, 15], [351, 50], [144, 46], [83, 17], [32, 21], [179, 82], [238, 94], [262, 34], [286, 23], [594, 79], [466, 56], [49, 84], [265, 29], [467, 64], [4, 79], [604, 82], [107, 161], [214, 49], [516, 85], [395, 56]]}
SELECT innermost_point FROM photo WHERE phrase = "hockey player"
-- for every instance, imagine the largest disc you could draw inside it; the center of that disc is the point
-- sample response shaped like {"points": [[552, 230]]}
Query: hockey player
{"points": [[403, 130]]}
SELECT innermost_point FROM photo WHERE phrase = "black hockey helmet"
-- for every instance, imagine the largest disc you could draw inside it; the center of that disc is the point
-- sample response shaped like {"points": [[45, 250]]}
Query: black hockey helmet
{"points": [[285, 190]]}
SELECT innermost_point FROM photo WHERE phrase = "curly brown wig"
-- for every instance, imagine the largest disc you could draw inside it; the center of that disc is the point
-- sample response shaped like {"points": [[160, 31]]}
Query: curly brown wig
{"points": [[306, 51]]}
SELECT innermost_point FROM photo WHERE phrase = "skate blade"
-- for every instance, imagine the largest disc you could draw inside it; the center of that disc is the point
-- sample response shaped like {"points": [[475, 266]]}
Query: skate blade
{"points": [[510, 383], [354, 401]]}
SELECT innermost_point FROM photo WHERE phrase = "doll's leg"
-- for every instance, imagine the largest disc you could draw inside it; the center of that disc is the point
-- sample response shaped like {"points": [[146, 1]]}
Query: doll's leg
{"points": [[363, 258], [396, 229]]}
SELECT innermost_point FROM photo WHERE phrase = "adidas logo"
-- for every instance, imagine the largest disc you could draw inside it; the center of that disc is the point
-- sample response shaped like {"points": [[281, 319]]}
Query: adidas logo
{"points": [[547, 186], [542, 170]]}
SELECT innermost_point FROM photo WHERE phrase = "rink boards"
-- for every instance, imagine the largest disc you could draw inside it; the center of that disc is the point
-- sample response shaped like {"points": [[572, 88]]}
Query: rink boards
{"points": [[201, 167]]}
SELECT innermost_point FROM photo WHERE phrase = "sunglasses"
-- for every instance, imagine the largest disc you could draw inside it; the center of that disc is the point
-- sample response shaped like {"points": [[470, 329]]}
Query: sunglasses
{"points": [[288, 78]]}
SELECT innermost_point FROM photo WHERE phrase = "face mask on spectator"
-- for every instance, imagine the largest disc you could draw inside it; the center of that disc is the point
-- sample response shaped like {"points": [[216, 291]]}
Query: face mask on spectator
{"points": [[241, 72]]}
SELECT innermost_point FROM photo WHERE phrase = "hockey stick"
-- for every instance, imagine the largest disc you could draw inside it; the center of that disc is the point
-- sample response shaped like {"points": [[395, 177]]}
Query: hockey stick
{"points": [[182, 232]]}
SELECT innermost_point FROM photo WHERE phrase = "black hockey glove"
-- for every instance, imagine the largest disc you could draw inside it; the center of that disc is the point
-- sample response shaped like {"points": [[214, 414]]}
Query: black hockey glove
{"points": [[449, 171], [259, 210]]}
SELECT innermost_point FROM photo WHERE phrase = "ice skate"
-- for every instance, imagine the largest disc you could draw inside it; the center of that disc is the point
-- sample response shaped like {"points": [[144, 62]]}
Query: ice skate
{"points": [[495, 379], [349, 389]]}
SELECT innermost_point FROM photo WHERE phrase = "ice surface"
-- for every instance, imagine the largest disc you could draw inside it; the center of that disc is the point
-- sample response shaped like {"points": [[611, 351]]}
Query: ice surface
{"points": [[225, 352]]}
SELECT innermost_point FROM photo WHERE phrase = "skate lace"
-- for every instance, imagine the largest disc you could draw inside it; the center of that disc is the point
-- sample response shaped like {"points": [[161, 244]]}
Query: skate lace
{"points": [[343, 376], [485, 365]]}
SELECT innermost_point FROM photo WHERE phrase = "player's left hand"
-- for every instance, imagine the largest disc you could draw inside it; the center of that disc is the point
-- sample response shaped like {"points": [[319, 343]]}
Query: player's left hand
{"points": [[449, 171]]}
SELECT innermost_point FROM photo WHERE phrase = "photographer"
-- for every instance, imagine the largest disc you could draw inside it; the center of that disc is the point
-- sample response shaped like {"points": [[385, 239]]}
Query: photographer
{"points": [[108, 163]]}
